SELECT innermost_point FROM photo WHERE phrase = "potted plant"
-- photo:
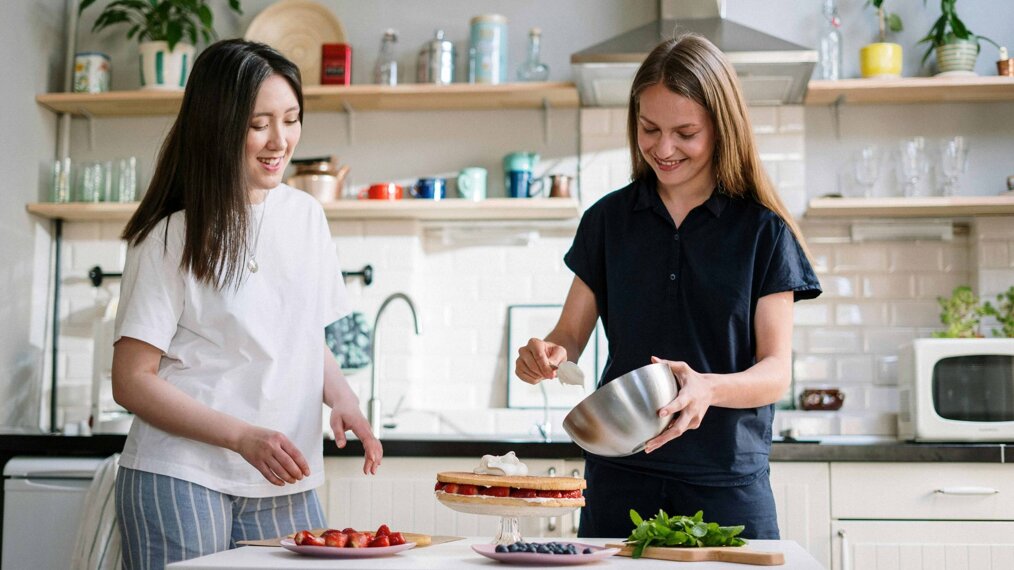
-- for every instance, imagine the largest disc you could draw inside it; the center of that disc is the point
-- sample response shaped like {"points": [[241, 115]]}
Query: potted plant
{"points": [[961, 314], [1003, 312], [882, 59], [956, 46], [161, 26]]}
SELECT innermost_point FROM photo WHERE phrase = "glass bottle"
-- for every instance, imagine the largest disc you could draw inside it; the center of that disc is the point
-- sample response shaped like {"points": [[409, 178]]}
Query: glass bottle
{"points": [[385, 72], [533, 69], [829, 58]]}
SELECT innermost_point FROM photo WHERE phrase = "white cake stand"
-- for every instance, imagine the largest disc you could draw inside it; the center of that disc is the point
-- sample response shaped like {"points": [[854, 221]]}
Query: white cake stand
{"points": [[509, 531]]}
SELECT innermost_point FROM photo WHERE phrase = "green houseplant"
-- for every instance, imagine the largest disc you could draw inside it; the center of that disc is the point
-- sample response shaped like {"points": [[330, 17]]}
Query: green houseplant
{"points": [[956, 46], [882, 59], [161, 26], [961, 314], [1003, 312]]}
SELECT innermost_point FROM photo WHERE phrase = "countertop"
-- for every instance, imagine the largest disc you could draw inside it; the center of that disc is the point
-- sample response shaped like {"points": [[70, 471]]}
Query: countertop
{"points": [[460, 555], [835, 448]]}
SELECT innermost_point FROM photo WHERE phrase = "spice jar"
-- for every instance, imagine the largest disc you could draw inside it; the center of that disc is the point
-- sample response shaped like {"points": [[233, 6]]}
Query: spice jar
{"points": [[336, 64]]}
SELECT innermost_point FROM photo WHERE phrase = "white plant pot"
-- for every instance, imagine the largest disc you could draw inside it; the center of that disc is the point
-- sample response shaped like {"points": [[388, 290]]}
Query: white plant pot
{"points": [[164, 69], [957, 57]]}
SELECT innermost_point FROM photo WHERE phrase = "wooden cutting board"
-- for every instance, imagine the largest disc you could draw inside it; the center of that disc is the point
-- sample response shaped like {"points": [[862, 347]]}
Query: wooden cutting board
{"points": [[735, 554], [420, 540]]}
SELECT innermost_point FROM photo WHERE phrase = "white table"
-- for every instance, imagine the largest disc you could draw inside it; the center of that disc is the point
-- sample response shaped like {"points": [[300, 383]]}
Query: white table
{"points": [[459, 554]]}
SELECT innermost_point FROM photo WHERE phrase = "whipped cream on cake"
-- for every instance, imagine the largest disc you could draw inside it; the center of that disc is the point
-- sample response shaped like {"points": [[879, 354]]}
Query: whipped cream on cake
{"points": [[501, 465]]}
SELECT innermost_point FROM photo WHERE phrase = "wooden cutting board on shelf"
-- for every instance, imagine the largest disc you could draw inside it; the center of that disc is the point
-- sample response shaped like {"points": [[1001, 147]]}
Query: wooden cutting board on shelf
{"points": [[734, 554]]}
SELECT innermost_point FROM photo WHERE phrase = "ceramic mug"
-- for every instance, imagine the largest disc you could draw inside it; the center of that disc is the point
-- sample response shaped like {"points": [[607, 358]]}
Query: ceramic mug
{"points": [[559, 185], [429, 189], [472, 183], [385, 191], [520, 184]]}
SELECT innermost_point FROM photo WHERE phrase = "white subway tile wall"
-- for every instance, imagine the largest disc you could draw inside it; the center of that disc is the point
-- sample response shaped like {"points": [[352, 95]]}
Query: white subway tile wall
{"points": [[453, 378]]}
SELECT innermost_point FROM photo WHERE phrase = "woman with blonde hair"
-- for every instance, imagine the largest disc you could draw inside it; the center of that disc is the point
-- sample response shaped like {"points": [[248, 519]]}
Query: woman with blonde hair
{"points": [[696, 263]]}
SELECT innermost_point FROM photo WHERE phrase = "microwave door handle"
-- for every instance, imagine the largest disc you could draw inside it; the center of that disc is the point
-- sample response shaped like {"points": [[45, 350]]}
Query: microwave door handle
{"points": [[966, 491]]}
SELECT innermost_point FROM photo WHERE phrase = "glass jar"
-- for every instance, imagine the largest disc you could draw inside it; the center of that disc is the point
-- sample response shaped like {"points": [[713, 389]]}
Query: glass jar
{"points": [[533, 69]]}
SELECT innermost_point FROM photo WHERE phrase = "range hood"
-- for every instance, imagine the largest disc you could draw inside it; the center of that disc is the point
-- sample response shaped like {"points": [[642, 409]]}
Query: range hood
{"points": [[772, 71]]}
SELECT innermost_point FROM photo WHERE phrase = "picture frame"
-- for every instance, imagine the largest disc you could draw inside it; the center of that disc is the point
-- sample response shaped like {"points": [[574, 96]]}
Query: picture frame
{"points": [[525, 322]]}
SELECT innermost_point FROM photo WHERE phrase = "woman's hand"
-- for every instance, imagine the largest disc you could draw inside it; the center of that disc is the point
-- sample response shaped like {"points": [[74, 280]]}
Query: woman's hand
{"points": [[271, 453], [345, 418], [537, 360], [692, 402]]}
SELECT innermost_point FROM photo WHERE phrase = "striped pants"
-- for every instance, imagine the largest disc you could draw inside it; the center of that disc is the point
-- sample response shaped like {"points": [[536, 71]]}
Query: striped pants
{"points": [[164, 519]]}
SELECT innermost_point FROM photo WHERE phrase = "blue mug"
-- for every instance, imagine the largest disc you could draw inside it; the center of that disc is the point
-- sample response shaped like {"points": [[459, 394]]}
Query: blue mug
{"points": [[521, 184], [430, 189]]}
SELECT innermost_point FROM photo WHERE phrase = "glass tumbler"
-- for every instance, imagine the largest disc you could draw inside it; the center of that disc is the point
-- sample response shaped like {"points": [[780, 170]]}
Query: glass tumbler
{"points": [[913, 166], [60, 192], [953, 162], [91, 182], [125, 186]]}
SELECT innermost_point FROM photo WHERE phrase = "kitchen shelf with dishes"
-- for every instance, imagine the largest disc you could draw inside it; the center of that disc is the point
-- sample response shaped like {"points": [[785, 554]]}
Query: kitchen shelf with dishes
{"points": [[409, 97], [929, 207], [911, 90], [453, 209]]}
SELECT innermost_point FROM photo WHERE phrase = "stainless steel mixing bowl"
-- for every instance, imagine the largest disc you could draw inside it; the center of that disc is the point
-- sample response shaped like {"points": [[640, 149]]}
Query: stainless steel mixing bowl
{"points": [[618, 418]]}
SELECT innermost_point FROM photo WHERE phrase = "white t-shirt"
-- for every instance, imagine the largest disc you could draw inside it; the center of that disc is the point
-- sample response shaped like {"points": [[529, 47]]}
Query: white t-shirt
{"points": [[255, 352]]}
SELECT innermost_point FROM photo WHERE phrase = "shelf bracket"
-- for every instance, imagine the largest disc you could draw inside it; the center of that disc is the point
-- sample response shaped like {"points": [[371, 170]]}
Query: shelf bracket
{"points": [[349, 121], [836, 116], [545, 120], [91, 127]]}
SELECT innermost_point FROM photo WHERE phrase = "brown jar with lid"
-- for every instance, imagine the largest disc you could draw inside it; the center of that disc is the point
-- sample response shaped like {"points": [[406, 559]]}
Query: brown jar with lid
{"points": [[318, 177]]}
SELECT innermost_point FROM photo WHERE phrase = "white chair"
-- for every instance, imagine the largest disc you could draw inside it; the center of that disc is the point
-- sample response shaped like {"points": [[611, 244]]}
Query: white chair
{"points": [[97, 544]]}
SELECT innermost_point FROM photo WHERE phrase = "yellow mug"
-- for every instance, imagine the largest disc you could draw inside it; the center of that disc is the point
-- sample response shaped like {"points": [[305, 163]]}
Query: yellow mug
{"points": [[880, 60]]}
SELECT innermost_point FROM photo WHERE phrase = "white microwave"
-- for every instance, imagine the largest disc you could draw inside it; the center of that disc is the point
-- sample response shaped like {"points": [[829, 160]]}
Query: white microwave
{"points": [[956, 390]]}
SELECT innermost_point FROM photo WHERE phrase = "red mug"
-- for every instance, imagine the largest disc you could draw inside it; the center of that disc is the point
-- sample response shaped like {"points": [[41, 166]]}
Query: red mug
{"points": [[388, 191]]}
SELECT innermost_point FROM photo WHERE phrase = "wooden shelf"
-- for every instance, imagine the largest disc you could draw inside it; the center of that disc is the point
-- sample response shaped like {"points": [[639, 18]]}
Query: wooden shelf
{"points": [[934, 207], [409, 97], [453, 209], [911, 90]]}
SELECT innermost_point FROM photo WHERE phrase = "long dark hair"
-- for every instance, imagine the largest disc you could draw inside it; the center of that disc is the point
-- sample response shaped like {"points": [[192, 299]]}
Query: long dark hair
{"points": [[695, 68], [200, 168]]}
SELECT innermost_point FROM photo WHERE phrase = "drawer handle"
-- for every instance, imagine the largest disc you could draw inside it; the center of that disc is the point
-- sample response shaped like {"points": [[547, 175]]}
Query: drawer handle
{"points": [[966, 491]]}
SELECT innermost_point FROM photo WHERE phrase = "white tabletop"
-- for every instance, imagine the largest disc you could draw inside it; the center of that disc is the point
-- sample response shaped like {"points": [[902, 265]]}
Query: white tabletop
{"points": [[459, 554]]}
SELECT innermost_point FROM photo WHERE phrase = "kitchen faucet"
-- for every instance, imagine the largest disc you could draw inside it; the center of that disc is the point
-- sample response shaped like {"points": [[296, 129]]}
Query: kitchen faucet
{"points": [[373, 412]]}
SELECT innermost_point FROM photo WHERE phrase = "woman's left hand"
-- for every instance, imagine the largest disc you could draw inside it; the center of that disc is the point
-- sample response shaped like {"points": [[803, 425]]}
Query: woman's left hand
{"points": [[343, 420], [692, 402]]}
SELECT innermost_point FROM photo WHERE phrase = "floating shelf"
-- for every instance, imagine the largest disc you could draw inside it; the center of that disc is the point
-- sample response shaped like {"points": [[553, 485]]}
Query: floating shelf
{"points": [[934, 207], [453, 209], [911, 90], [409, 97]]}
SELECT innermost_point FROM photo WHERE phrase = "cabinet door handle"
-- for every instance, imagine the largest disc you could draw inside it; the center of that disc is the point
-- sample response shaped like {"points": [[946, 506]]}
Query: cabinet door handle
{"points": [[551, 527], [846, 562], [966, 491], [575, 518]]}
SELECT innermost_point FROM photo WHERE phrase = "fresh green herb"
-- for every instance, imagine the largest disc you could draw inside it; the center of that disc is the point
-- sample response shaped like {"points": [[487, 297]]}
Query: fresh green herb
{"points": [[961, 313], [680, 531], [1003, 312]]}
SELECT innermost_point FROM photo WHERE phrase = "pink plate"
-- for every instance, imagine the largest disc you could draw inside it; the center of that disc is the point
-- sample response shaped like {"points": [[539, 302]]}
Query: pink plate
{"points": [[597, 553], [335, 552]]}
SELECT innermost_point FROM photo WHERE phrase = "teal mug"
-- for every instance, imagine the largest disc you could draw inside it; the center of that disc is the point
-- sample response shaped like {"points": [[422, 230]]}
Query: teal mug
{"points": [[517, 161], [472, 183]]}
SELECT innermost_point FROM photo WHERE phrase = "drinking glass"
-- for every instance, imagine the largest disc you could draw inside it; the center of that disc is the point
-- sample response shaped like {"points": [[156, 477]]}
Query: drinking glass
{"points": [[953, 161], [90, 183], [125, 186], [866, 167], [61, 180], [913, 166]]}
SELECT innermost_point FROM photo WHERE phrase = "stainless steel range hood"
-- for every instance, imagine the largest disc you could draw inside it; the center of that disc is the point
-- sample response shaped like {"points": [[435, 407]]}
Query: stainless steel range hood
{"points": [[771, 71]]}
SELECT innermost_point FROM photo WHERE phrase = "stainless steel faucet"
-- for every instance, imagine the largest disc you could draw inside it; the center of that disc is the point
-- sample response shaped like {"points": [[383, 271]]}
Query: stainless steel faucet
{"points": [[373, 412]]}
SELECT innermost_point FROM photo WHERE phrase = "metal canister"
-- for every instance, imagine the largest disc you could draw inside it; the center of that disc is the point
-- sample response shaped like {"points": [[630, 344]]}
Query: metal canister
{"points": [[488, 49], [436, 61]]}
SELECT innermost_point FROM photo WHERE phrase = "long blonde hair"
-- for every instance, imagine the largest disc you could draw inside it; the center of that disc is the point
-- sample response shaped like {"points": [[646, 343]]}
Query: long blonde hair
{"points": [[693, 67]]}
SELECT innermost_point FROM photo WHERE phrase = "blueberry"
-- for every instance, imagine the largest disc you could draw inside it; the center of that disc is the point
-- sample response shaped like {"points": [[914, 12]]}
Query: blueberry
{"points": [[586, 551], [501, 548], [510, 548]]}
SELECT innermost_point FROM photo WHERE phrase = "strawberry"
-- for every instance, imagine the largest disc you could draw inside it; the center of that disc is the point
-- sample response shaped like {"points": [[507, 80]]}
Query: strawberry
{"points": [[550, 494], [358, 540], [396, 538], [495, 491], [380, 542], [523, 493], [451, 488], [303, 537], [438, 486], [348, 530], [468, 490], [335, 538], [575, 494], [383, 531]]}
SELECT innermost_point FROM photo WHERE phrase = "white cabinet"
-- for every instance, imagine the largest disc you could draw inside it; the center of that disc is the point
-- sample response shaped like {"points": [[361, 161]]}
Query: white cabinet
{"points": [[401, 495], [951, 516], [802, 499]]}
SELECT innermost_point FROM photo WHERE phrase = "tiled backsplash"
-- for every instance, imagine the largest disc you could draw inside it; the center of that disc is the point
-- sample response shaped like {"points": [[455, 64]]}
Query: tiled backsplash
{"points": [[464, 276]]}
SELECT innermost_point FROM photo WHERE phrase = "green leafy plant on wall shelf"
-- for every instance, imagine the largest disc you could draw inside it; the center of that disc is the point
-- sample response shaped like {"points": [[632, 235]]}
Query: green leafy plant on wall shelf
{"points": [[162, 27], [882, 59], [887, 20], [962, 314], [956, 46]]}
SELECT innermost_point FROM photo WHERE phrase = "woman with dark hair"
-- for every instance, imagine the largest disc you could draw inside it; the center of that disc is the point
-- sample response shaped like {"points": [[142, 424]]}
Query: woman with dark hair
{"points": [[230, 278], [696, 263]]}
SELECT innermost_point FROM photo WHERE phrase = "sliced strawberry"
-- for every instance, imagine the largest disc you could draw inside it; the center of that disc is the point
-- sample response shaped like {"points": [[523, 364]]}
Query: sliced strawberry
{"points": [[495, 491], [550, 494], [336, 539], [451, 488], [396, 538], [523, 493], [438, 486], [575, 494], [303, 537], [358, 540], [380, 541], [468, 490], [384, 530], [348, 530]]}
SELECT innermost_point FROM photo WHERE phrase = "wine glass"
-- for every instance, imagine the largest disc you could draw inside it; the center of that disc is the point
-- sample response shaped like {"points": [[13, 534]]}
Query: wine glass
{"points": [[953, 161], [913, 164], [866, 168]]}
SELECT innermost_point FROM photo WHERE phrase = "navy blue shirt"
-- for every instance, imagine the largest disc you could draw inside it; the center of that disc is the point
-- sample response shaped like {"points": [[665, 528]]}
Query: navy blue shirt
{"points": [[690, 294]]}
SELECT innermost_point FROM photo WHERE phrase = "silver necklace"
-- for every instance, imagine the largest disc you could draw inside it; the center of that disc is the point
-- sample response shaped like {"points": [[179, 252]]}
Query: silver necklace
{"points": [[251, 263]]}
